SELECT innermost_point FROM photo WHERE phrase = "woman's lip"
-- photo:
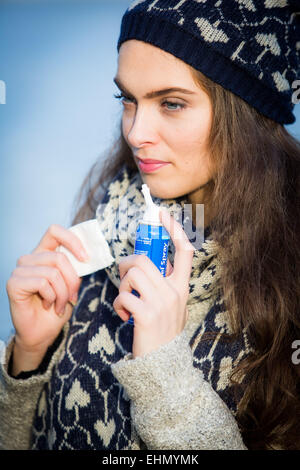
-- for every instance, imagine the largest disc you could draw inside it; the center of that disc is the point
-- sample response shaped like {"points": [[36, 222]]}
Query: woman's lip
{"points": [[150, 167], [150, 160]]}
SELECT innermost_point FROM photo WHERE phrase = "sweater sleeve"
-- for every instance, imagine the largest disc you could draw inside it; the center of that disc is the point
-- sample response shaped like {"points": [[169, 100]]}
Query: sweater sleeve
{"points": [[19, 397], [172, 405]]}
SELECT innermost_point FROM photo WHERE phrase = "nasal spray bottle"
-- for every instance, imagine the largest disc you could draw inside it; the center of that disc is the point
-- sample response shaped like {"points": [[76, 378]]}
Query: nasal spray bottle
{"points": [[151, 239]]}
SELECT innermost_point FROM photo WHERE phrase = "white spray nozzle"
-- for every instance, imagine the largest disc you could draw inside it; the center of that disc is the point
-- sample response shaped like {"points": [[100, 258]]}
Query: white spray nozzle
{"points": [[147, 195], [152, 211]]}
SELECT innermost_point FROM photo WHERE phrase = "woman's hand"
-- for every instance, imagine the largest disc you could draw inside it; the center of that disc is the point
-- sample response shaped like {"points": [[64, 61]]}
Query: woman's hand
{"points": [[160, 312], [39, 290]]}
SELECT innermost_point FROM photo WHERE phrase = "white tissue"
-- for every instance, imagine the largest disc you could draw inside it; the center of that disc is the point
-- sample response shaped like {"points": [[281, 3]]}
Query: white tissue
{"points": [[96, 246]]}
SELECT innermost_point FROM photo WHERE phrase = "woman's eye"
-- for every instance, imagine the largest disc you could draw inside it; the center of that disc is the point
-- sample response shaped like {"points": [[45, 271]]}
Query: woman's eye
{"points": [[170, 105], [122, 96]]}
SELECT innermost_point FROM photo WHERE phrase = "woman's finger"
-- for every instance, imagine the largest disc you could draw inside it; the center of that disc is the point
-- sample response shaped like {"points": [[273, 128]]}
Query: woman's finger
{"points": [[32, 285], [126, 304], [53, 277], [136, 279], [184, 250], [60, 261], [169, 268], [144, 264], [57, 235]]}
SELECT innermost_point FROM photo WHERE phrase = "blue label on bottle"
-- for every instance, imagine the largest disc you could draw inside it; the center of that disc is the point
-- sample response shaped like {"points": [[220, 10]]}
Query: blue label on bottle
{"points": [[152, 241]]}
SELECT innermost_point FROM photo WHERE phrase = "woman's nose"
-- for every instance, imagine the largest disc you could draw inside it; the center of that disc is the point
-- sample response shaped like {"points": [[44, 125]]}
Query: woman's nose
{"points": [[142, 128]]}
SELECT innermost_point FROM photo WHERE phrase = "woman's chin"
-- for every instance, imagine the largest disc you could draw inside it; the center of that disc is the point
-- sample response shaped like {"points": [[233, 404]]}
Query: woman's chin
{"points": [[161, 193]]}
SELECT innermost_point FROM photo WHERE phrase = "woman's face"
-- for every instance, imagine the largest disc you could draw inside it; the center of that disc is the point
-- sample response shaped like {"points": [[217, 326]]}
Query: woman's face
{"points": [[172, 127]]}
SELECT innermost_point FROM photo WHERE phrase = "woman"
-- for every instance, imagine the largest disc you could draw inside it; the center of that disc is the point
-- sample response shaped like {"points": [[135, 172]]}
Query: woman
{"points": [[208, 364]]}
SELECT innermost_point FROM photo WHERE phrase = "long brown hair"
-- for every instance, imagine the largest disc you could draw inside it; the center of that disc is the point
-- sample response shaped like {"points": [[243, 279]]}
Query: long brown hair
{"points": [[256, 221]]}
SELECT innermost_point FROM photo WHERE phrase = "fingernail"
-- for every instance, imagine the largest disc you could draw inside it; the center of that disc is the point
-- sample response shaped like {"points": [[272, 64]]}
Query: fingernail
{"points": [[84, 256], [162, 212], [73, 299], [61, 313]]}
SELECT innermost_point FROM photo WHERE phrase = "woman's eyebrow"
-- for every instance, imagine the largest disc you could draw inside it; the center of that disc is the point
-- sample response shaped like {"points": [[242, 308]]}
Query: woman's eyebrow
{"points": [[153, 94]]}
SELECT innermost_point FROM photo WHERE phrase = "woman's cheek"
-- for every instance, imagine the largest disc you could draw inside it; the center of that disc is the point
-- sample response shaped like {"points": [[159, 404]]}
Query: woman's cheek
{"points": [[126, 126]]}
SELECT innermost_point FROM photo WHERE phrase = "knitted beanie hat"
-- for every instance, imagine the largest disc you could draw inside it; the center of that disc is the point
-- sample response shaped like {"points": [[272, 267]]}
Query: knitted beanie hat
{"points": [[250, 47]]}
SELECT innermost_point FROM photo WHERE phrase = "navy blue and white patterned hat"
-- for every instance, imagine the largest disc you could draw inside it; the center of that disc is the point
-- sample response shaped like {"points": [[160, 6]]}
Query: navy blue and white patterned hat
{"points": [[250, 47]]}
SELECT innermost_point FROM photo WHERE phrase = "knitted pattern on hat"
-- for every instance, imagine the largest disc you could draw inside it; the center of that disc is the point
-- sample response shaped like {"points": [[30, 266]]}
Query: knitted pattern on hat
{"points": [[250, 47]]}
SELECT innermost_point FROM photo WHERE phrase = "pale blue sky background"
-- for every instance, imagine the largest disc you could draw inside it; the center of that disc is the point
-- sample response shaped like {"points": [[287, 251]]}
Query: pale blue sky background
{"points": [[57, 59]]}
